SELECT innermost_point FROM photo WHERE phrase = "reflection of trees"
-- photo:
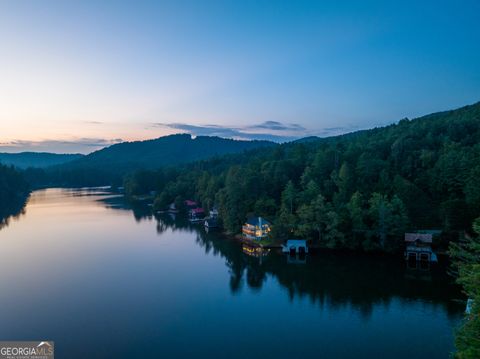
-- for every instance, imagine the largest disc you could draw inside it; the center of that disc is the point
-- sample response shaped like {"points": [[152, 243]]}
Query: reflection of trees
{"points": [[333, 280], [11, 211], [170, 221], [141, 211]]}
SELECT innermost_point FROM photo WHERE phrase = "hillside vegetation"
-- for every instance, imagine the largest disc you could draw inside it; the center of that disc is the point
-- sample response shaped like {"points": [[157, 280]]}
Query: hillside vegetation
{"points": [[466, 265], [109, 165], [36, 159], [361, 190], [13, 191]]}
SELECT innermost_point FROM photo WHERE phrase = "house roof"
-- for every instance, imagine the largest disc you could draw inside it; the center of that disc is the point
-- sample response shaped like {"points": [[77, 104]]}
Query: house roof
{"points": [[197, 210], [257, 221], [422, 237], [190, 203]]}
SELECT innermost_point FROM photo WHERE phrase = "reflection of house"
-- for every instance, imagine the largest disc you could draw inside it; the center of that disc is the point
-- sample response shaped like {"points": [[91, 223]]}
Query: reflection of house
{"points": [[297, 259], [172, 208], [256, 228], [196, 214], [211, 223], [254, 251], [419, 247], [295, 246], [212, 220]]}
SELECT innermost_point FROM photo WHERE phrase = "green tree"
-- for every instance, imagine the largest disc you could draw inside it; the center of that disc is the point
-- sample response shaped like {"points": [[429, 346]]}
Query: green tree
{"points": [[345, 182], [284, 225], [466, 263], [389, 221], [357, 215], [289, 197], [312, 219]]}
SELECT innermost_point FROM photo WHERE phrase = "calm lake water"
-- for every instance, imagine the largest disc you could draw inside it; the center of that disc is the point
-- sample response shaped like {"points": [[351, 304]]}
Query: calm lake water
{"points": [[104, 281]]}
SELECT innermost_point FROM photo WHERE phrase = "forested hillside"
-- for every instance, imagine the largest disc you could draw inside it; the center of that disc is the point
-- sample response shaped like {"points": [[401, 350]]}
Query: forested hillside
{"points": [[36, 159], [361, 190], [13, 191], [466, 266], [110, 164]]}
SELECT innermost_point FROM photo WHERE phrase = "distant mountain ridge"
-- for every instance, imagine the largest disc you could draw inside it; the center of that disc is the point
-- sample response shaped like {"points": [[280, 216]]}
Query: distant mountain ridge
{"points": [[24, 160], [110, 163]]}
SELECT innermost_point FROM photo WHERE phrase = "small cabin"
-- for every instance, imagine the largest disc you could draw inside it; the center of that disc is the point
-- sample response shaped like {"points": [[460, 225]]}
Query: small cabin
{"points": [[256, 228], [418, 247], [295, 246]]}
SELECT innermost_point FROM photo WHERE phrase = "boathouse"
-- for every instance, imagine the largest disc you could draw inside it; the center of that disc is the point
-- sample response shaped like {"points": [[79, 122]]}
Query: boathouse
{"points": [[295, 246], [418, 247], [256, 228]]}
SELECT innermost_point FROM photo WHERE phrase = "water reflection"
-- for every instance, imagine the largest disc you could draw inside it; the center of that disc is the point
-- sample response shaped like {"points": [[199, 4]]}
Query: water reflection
{"points": [[121, 274], [336, 280], [11, 211]]}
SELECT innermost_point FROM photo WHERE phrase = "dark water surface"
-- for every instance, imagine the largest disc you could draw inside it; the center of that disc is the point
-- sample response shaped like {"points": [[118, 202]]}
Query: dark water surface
{"points": [[104, 281]]}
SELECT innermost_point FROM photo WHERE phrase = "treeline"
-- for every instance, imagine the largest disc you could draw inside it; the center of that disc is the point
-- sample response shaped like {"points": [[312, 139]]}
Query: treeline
{"points": [[361, 190], [13, 191], [466, 265], [109, 165]]}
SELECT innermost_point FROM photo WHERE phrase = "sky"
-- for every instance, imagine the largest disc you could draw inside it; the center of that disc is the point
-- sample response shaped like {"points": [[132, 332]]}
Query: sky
{"points": [[76, 76]]}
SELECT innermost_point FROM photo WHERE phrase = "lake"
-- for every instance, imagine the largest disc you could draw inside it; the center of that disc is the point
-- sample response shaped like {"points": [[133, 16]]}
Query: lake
{"points": [[79, 267]]}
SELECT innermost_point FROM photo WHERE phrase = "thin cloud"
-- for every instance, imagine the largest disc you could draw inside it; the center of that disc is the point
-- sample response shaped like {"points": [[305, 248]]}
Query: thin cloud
{"points": [[335, 131], [78, 145], [268, 130], [93, 122], [278, 126]]}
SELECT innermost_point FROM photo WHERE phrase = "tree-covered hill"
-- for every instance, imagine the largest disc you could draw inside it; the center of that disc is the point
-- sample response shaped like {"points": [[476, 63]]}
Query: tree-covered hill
{"points": [[360, 190], [36, 159], [13, 192], [111, 163]]}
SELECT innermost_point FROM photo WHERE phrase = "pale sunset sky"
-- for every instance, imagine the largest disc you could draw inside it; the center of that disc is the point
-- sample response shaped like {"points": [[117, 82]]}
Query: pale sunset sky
{"points": [[76, 76]]}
